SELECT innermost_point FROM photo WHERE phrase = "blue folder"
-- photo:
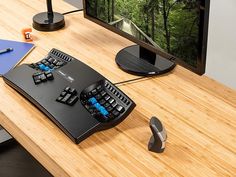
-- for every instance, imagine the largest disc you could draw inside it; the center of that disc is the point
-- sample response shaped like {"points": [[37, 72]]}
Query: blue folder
{"points": [[10, 59]]}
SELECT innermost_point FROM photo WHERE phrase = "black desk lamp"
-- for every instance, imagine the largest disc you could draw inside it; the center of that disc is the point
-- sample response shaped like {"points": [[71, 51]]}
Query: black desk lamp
{"points": [[48, 21]]}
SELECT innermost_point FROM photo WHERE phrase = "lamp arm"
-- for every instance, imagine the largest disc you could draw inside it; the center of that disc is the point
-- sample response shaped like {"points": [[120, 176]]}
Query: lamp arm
{"points": [[49, 7]]}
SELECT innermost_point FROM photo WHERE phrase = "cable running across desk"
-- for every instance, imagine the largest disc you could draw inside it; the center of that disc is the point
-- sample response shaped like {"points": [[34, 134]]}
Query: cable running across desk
{"points": [[131, 80], [73, 11]]}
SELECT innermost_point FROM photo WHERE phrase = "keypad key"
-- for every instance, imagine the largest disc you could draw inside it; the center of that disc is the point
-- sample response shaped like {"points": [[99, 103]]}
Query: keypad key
{"points": [[84, 97], [98, 96], [111, 116], [60, 63], [46, 68], [72, 91], [109, 109], [49, 76], [97, 106], [72, 100], [34, 66], [99, 88], [43, 78], [64, 100], [115, 113], [59, 99], [94, 92], [104, 112], [111, 100], [124, 100], [106, 105], [37, 81], [38, 63], [114, 104], [51, 60], [89, 94], [46, 63], [120, 108], [63, 94], [56, 67], [67, 89], [42, 67], [55, 62], [107, 97], [47, 72], [51, 66], [37, 77], [91, 110], [37, 74], [127, 102], [99, 116], [102, 101], [114, 91], [92, 100], [103, 93]]}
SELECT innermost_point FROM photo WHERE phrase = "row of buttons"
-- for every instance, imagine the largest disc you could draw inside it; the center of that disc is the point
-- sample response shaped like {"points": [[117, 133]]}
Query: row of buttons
{"points": [[42, 77], [68, 96], [61, 55], [116, 93], [48, 64]]}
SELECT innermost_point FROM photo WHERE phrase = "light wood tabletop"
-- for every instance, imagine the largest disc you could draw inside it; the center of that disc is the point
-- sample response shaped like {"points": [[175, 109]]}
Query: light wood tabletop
{"points": [[198, 113]]}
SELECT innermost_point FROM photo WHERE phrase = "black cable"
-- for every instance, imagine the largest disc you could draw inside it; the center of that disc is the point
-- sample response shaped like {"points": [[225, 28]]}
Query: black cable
{"points": [[73, 11], [131, 80]]}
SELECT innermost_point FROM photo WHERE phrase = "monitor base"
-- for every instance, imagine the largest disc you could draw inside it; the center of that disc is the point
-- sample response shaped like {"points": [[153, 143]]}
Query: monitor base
{"points": [[137, 60], [48, 21]]}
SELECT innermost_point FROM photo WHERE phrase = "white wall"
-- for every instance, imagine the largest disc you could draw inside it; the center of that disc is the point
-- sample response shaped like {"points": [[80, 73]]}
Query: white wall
{"points": [[221, 52], [76, 3]]}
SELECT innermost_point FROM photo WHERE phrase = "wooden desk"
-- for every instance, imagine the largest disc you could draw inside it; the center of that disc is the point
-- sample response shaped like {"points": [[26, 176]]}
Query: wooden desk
{"points": [[198, 113]]}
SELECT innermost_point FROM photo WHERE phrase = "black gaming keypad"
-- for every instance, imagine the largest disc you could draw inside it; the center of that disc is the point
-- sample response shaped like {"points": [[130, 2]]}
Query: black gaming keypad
{"points": [[68, 96], [104, 101], [79, 100]]}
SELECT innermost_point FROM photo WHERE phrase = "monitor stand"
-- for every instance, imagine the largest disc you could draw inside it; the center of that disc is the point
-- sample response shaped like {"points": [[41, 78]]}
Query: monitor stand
{"points": [[140, 61]]}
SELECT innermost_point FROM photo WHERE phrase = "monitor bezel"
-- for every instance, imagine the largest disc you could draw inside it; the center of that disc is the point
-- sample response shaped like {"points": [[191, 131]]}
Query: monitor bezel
{"points": [[203, 35]]}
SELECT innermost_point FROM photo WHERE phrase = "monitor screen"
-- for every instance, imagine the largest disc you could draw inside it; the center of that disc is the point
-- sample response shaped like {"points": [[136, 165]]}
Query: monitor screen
{"points": [[174, 29]]}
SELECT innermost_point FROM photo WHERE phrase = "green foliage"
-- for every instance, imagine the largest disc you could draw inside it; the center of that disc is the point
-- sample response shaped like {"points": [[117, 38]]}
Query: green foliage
{"points": [[172, 24]]}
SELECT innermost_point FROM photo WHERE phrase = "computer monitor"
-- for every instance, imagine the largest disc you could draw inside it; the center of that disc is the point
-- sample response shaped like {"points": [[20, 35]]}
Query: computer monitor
{"points": [[166, 31]]}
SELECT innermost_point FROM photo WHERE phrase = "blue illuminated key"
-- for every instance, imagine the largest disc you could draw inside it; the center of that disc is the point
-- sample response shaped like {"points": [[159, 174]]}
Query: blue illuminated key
{"points": [[46, 68], [97, 106], [102, 108], [42, 67], [104, 112], [92, 100]]}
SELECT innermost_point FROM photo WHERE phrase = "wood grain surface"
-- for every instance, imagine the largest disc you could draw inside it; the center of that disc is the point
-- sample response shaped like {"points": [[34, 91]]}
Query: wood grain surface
{"points": [[199, 114]]}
